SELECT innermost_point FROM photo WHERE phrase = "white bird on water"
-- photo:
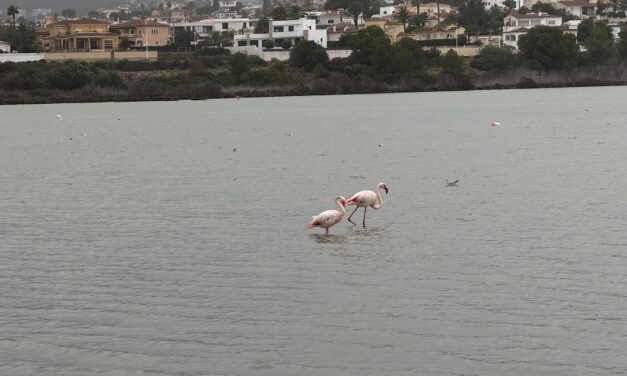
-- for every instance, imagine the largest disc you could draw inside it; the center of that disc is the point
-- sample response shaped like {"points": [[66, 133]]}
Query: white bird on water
{"points": [[495, 124], [59, 116], [328, 218], [367, 199]]}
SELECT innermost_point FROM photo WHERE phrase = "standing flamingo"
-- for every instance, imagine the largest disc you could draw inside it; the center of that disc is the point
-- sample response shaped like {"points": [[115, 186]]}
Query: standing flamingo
{"points": [[328, 218], [365, 199]]}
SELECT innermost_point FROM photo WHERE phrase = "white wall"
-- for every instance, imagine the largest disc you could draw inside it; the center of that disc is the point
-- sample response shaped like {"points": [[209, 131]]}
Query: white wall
{"points": [[20, 58], [282, 55]]}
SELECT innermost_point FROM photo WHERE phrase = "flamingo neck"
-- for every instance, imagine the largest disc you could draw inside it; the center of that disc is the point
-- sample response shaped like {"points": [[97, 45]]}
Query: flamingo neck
{"points": [[339, 203], [379, 202]]}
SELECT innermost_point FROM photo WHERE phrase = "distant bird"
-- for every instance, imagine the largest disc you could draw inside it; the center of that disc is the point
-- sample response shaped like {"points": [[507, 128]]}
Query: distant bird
{"points": [[234, 150], [380, 145], [83, 134], [365, 199], [59, 116], [329, 218], [119, 118], [587, 109], [451, 183], [70, 138], [289, 134], [495, 124]]}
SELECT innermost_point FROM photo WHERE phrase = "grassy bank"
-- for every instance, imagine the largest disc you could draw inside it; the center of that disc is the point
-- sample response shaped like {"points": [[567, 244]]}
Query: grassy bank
{"points": [[81, 82]]}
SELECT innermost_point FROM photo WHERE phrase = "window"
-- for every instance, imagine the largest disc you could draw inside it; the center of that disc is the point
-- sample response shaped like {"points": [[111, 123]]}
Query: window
{"points": [[330, 21], [278, 29], [108, 44], [290, 28], [225, 25], [241, 43], [551, 22], [254, 43], [244, 25]]}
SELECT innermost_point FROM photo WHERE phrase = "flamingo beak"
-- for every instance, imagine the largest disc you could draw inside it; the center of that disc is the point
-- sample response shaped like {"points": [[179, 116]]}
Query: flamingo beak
{"points": [[386, 189]]}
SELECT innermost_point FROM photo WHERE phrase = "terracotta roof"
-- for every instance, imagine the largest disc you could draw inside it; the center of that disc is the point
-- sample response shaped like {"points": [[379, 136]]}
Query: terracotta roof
{"points": [[136, 23], [80, 21]]}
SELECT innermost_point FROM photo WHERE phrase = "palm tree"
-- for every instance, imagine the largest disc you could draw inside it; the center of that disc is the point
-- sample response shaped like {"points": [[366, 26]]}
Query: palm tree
{"points": [[417, 4], [438, 2], [13, 11], [402, 15]]}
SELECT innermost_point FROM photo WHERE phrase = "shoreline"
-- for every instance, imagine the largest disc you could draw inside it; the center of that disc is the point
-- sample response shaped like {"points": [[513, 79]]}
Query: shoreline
{"points": [[185, 84], [259, 93]]}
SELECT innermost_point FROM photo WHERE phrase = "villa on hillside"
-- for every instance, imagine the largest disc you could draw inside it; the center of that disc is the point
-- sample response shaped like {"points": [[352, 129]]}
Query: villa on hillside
{"points": [[292, 30], [516, 25], [391, 28], [82, 35], [143, 32], [579, 8], [204, 28]]}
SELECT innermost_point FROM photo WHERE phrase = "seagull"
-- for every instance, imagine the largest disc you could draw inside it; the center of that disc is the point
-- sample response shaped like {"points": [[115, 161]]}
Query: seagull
{"points": [[452, 183], [495, 124], [59, 116]]}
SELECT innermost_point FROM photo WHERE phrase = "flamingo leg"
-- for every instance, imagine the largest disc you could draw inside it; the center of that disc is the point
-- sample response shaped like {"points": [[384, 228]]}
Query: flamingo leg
{"points": [[326, 231], [364, 223], [349, 218]]}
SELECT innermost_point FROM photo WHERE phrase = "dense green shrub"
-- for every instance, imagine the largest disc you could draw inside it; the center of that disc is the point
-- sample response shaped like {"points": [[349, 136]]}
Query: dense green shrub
{"points": [[493, 58], [110, 79], [308, 54], [286, 44]]}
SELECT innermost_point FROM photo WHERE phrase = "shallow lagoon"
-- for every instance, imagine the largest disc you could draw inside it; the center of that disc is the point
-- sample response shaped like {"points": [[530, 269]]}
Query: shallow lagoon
{"points": [[149, 247]]}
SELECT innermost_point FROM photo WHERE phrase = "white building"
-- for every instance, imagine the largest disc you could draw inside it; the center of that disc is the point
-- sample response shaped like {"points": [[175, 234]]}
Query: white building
{"points": [[499, 3], [329, 18], [5, 47], [41, 12], [581, 9], [515, 25], [292, 30], [203, 28], [385, 11], [227, 4]]}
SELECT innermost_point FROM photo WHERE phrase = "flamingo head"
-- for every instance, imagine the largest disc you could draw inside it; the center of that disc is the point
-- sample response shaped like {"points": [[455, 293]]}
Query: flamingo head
{"points": [[341, 200], [383, 186]]}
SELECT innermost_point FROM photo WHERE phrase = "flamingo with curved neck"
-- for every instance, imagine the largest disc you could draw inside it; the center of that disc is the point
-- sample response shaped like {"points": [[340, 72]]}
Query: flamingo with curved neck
{"points": [[329, 218], [367, 199]]}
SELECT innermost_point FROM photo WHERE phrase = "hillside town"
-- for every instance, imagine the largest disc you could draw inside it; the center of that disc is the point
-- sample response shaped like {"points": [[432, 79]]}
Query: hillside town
{"points": [[139, 31]]}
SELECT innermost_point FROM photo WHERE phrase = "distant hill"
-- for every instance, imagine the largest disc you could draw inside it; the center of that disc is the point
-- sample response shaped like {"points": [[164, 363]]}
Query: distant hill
{"points": [[81, 6]]}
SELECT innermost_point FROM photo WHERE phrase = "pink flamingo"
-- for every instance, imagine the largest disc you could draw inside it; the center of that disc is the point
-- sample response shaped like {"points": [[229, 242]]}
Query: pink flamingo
{"points": [[365, 199], [328, 218]]}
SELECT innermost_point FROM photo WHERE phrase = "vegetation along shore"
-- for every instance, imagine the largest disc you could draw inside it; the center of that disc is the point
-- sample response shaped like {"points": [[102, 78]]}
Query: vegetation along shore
{"points": [[547, 58]]}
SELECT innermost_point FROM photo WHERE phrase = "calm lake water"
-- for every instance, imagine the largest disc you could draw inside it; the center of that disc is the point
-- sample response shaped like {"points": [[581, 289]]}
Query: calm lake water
{"points": [[148, 246]]}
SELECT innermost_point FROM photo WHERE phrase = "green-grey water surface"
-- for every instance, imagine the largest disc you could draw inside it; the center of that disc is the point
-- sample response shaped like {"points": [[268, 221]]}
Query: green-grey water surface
{"points": [[169, 238]]}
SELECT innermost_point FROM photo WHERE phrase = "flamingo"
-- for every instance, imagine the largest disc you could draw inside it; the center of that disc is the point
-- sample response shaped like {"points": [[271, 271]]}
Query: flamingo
{"points": [[328, 218], [365, 199]]}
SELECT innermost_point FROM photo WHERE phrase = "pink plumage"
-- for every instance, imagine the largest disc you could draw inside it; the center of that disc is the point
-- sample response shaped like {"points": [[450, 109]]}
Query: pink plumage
{"points": [[328, 218], [367, 199]]}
